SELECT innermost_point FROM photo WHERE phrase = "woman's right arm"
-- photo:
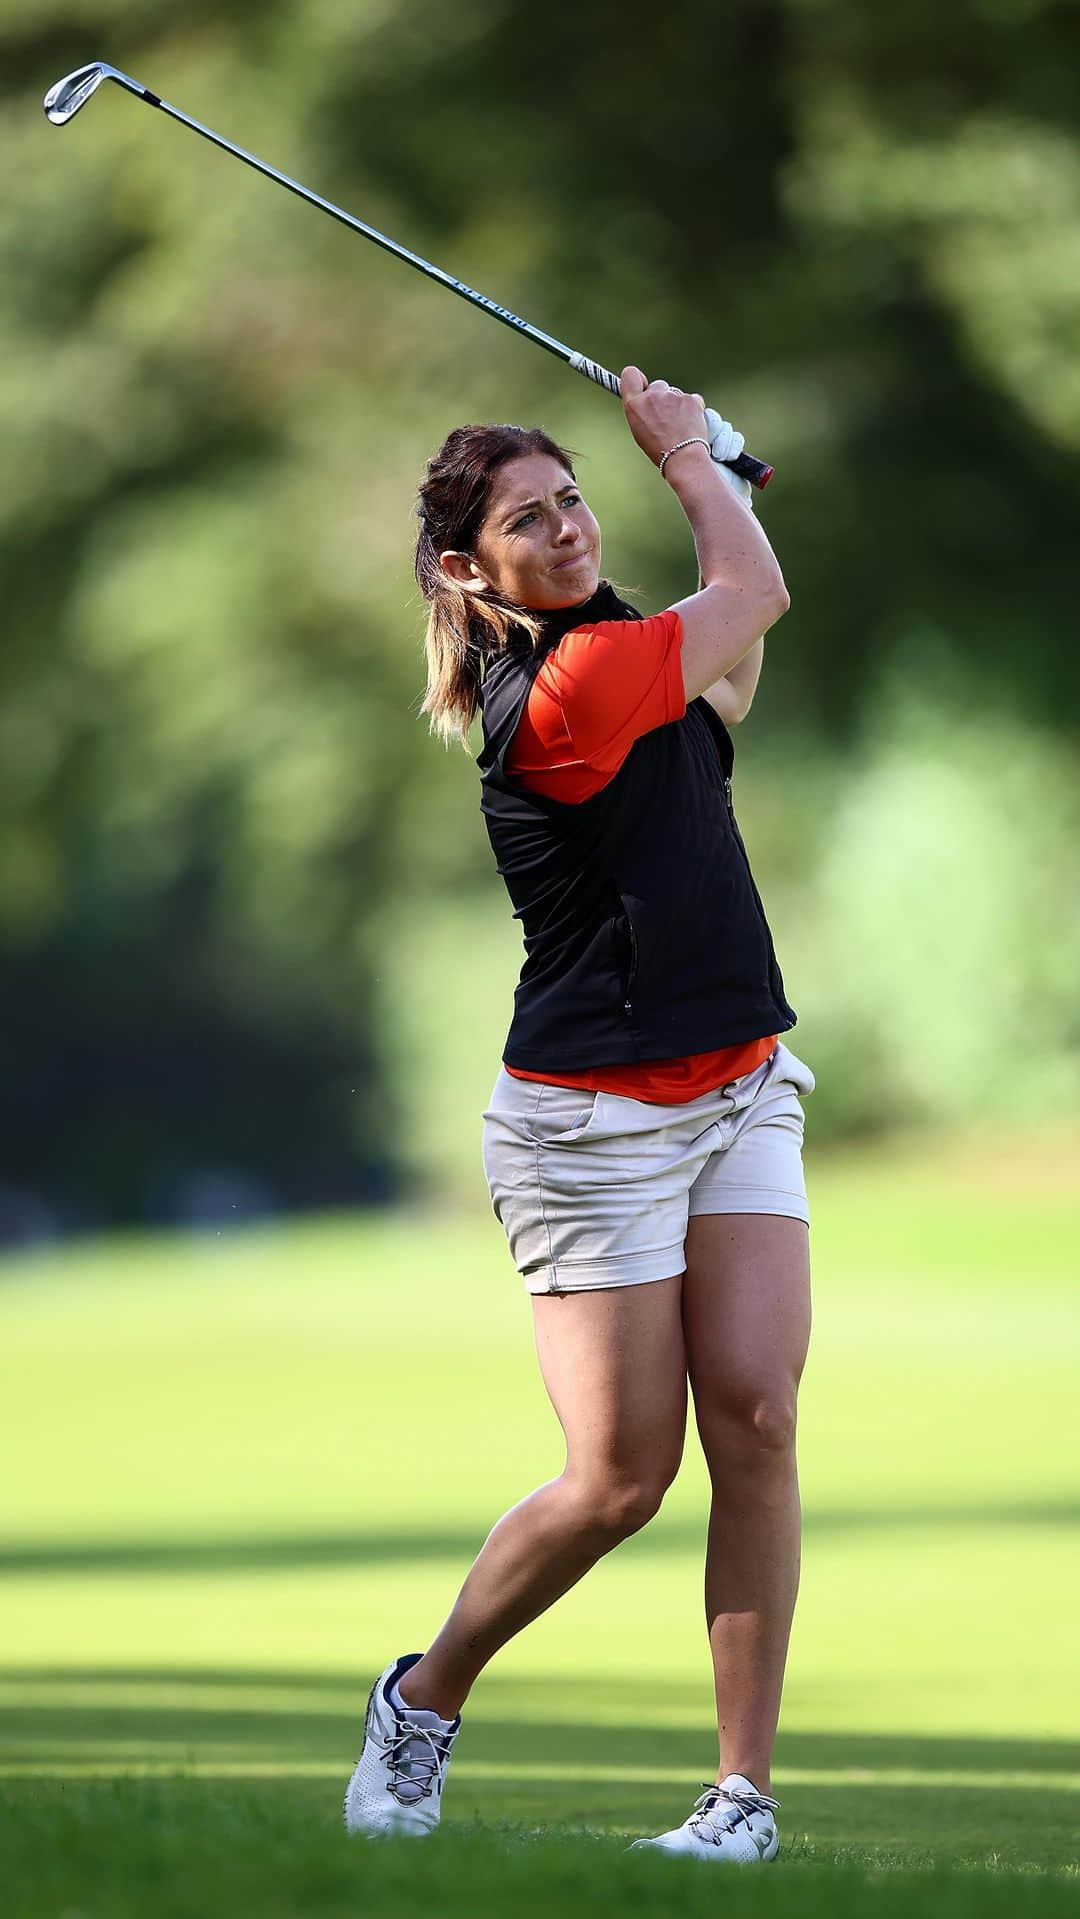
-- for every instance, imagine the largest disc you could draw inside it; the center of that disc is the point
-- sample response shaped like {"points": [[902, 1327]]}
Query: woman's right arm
{"points": [[743, 592]]}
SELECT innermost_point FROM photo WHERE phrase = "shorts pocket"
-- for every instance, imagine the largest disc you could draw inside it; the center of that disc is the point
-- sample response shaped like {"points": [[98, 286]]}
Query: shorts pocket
{"points": [[557, 1113]]}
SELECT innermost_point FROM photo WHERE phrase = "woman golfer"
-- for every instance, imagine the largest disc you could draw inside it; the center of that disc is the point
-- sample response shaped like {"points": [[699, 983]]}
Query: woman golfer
{"points": [[643, 1144]]}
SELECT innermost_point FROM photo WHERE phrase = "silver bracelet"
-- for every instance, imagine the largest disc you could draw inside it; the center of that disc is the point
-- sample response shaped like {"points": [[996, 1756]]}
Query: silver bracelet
{"points": [[695, 440]]}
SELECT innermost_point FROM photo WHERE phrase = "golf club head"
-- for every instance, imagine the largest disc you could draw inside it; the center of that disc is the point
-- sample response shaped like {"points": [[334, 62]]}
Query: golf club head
{"points": [[62, 102]]}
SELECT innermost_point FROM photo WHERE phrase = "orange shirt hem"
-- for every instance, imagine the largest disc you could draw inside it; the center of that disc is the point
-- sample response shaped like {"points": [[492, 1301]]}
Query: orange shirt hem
{"points": [[665, 1082]]}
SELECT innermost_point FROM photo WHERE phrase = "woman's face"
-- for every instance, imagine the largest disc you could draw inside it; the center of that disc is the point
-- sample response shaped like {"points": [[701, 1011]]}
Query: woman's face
{"points": [[538, 544]]}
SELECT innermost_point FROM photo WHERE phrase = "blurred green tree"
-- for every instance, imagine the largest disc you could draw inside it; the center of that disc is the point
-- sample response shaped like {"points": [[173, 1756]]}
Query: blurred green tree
{"points": [[858, 232]]}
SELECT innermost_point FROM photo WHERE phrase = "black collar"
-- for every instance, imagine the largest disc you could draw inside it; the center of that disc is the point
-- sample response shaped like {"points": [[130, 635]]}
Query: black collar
{"points": [[604, 604]]}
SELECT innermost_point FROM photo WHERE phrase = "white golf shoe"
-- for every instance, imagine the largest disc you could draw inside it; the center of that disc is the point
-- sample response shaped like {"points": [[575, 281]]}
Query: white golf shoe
{"points": [[730, 1821], [398, 1779]]}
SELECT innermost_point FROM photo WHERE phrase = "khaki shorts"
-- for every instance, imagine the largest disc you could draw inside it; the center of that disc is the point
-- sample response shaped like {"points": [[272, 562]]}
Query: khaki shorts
{"points": [[595, 1189]]}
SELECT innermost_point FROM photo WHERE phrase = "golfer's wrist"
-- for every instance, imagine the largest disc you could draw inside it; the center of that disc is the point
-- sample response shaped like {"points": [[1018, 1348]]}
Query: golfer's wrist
{"points": [[680, 461]]}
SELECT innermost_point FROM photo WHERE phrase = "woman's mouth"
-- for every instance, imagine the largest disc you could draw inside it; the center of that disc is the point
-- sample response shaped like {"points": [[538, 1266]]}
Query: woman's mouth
{"points": [[572, 561]]}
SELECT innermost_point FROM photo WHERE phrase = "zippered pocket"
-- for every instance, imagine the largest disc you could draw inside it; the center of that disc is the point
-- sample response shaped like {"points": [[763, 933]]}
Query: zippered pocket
{"points": [[626, 952], [632, 975]]}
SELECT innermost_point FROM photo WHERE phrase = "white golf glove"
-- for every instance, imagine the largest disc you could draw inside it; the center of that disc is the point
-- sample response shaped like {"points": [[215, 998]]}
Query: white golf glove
{"points": [[725, 443]]}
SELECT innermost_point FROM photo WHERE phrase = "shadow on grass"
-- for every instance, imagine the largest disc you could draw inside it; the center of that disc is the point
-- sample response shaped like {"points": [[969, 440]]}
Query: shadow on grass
{"points": [[463, 1542], [517, 1760]]}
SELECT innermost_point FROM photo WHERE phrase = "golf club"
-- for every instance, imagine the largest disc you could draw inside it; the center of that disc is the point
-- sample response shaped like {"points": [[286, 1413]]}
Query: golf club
{"points": [[64, 100]]}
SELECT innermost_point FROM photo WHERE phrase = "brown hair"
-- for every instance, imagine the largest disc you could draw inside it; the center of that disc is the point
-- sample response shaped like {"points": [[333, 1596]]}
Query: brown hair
{"points": [[463, 628]]}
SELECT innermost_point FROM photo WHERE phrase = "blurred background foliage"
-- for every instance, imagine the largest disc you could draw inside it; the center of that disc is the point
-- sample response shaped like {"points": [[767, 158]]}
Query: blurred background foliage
{"points": [[253, 950]]}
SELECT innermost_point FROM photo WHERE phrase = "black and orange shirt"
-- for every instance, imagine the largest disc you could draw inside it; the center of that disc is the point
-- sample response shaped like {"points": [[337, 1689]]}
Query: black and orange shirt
{"points": [[597, 692]]}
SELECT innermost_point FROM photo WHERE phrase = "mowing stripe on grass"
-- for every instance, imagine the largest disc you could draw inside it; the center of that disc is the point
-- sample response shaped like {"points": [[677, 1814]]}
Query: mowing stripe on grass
{"points": [[502, 1769]]}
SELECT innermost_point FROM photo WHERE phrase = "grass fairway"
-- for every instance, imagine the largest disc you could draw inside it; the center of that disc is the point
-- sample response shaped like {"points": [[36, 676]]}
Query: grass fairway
{"points": [[243, 1471]]}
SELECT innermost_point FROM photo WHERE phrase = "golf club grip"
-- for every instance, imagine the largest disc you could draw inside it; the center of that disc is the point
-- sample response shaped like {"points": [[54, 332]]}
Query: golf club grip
{"points": [[758, 472], [747, 468]]}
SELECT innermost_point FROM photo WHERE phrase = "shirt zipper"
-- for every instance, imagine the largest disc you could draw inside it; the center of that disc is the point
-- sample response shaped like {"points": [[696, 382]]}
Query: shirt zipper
{"points": [[632, 975]]}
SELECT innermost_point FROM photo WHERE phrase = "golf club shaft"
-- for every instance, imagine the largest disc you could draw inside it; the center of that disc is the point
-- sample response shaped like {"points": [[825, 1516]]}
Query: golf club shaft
{"points": [[749, 468]]}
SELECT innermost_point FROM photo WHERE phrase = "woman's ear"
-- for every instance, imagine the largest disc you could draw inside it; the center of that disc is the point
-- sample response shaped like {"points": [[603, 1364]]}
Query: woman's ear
{"points": [[463, 570]]}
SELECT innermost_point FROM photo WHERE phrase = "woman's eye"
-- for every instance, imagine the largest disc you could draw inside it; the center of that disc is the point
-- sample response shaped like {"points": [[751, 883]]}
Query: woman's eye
{"points": [[571, 500]]}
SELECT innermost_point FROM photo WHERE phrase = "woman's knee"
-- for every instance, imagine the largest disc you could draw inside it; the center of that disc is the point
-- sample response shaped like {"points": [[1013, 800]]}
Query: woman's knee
{"points": [[773, 1421], [760, 1424], [617, 1504]]}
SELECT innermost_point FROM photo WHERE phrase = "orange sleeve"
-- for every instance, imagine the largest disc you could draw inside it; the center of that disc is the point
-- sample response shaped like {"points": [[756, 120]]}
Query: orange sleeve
{"points": [[597, 692]]}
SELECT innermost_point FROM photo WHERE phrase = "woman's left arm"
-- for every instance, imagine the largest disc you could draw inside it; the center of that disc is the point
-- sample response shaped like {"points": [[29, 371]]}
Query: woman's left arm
{"points": [[732, 696]]}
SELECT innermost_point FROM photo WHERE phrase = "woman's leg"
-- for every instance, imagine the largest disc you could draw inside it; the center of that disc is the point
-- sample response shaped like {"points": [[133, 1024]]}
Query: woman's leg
{"points": [[614, 1365], [746, 1317]]}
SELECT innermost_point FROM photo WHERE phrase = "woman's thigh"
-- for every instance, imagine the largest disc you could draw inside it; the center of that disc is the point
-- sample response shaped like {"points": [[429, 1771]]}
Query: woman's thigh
{"points": [[614, 1365], [746, 1316]]}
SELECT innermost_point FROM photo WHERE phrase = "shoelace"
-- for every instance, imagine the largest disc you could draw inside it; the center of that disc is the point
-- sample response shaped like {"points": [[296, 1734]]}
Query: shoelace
{"points": [[710, 1820], [415, 1769]]}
